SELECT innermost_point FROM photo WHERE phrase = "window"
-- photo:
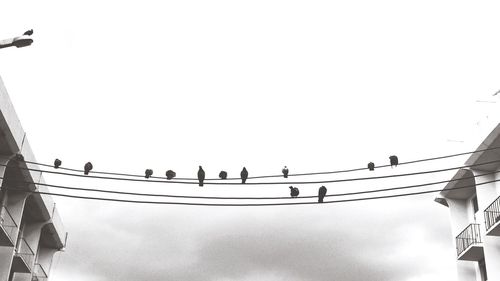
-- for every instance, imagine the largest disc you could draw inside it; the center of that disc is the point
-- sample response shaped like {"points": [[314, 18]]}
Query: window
{"points": [[474, 204], [482, 270]]}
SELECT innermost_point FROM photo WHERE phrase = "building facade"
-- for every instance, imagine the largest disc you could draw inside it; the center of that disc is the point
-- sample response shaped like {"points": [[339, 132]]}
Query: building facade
{"points": [[31, 231], [472, 196]]}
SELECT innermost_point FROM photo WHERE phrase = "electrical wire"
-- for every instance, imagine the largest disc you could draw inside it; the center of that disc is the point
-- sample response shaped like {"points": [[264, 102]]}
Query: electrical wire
{"points": [[276, 176], [245, 198], [263, 183], [246, 205]]}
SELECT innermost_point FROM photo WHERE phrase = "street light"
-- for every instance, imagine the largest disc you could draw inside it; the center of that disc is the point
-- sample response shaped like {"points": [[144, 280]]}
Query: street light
{"points": [[19, 42]]}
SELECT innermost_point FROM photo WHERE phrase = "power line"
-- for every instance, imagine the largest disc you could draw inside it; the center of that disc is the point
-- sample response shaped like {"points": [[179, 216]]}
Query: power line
{"points": [[247, 198], [246, 205], [275, 176], [263, 183]]}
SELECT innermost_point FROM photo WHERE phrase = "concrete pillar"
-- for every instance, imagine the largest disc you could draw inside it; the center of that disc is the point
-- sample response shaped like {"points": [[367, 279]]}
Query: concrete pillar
{"points": [[459, 213], [31, 233], [486, 194]]}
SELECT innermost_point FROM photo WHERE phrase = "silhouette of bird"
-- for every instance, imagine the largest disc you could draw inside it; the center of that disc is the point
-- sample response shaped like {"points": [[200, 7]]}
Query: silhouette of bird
{"points": [[244, 175], [371, 166], [29, 32], [201, 176], [57, 163], [394, 160], [294, 191], [321, 194], [170, 174], [148, 173], [87, 168], [19, 157], [223, 175], [285, 172]]}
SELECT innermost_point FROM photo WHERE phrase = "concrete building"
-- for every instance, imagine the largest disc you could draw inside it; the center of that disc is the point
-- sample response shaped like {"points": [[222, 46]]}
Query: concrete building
{"points": [[31, 231], [472, 196]]}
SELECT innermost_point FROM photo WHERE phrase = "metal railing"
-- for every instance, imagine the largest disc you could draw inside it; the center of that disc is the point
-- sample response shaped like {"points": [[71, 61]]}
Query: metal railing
{"points": [[492, 213], [469, 236], [7, 223], [39, 273], [25, 252]]}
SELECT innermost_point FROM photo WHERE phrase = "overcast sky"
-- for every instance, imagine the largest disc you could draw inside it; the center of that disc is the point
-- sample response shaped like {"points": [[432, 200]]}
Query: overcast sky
{"points": [[314, 85]]}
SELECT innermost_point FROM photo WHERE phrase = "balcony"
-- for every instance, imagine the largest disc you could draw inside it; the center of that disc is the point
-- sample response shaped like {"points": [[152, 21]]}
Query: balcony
{"points": [[39, 273], [23, 258], [8, 228], [469, 244], [492, 218]]}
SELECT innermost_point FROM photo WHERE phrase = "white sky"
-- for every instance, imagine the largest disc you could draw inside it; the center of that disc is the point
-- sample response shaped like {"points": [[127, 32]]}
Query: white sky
{"points": [[314, 85]]}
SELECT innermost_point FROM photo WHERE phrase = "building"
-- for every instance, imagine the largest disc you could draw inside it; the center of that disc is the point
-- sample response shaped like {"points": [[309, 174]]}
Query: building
{"points": [[472, 196], [31, 231]]}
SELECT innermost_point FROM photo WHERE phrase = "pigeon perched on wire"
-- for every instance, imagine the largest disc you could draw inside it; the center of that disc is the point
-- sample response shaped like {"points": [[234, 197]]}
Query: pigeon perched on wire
{"points": [[170, 174], [394, 160], [28, 32], [321, 194], [371, 166], [88, 166], [201, 176], [223, 175], [148, 173], [285, 172], [294, 191], [57, 163], [244, 175]]}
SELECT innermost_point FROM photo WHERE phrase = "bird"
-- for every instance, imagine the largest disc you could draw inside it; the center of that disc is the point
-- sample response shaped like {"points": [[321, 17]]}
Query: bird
{"points": [[148, 173], [170, 174], [223, 175], [29, 32], [88, 166], [285, 172], [57, 163], [394, 160], [321, 194], [294, 191], [244, 175], [201, 176], [371, 166], [19, 157]]}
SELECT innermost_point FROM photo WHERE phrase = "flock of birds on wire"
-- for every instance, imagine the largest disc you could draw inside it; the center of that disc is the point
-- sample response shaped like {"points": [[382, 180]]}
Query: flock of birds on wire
{"points": [[294, 191]]}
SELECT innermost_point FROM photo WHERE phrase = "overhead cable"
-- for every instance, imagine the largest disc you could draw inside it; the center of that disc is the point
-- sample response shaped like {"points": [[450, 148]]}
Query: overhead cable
{"points": [[246, 205], [262, 183], [245, 198], [274, 176]]}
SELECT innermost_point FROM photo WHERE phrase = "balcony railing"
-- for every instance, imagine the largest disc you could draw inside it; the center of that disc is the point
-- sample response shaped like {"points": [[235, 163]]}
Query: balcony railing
{"points": [[39, 273], [471, 235], [8, 225], [492, 214], [25, 252]]}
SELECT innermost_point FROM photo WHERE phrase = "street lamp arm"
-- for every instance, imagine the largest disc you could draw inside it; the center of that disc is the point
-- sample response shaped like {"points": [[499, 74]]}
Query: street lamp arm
{"points": [[19, 42]]}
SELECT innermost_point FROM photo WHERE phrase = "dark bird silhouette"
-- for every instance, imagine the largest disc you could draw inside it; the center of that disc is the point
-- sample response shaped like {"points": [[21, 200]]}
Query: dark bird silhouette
{"points": [[19, 157], [285, 172], [371, 166], [29, 32], [201, 176], [294, 191], [244, 175], [321, 194], [394, 160], [223, 175], [87, 168], [148, 173], [57, 163], [170, 174]]}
